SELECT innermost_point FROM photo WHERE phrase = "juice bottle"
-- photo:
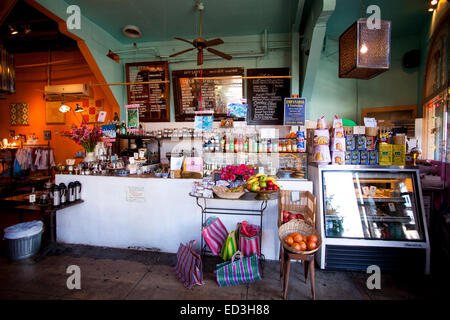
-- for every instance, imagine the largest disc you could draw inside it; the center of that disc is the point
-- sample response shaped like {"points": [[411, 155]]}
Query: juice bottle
{"points": [[288, 145]]}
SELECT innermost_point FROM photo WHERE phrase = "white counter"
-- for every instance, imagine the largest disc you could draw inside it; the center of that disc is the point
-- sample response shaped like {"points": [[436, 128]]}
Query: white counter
{"points": [[167, 216]]}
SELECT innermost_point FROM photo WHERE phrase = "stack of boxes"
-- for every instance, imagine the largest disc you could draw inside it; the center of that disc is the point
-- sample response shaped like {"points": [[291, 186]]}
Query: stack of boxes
{"points": [[360, 150]]}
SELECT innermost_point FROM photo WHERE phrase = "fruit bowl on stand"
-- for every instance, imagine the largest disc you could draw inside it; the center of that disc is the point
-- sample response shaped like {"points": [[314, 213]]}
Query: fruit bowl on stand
{"points": [[263, 195], [262, 186], [307, 234]]}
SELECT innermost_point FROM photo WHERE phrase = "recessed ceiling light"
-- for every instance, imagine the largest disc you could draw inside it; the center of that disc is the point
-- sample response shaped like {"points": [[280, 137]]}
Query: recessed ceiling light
{"points": [[132, 31], [433, 2]]}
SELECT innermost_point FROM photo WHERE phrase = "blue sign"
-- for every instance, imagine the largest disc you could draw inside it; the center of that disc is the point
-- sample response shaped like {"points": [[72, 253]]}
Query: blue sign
{"points": [[294, 111]]}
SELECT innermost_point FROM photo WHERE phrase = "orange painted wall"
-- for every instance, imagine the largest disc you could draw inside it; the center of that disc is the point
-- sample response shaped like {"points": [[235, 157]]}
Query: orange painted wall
{"points": [[30, 80]]}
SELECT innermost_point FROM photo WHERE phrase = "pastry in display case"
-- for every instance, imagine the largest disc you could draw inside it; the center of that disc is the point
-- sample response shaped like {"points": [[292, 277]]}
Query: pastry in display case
{"points": [[370, 215]]}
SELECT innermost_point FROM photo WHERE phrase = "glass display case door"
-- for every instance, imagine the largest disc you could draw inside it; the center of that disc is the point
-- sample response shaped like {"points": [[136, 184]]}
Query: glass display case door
{"points": [[372, 205]]}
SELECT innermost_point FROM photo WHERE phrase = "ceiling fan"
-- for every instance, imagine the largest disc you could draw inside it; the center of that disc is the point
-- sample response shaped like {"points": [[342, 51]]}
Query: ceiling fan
{"points": [[201, 44]]}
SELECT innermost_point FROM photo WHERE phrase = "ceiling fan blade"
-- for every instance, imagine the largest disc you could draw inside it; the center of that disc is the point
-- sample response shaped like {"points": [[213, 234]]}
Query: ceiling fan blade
{"points": [[220, 53], [199, 58], [214, 42], [190, 42], [187, 50]]}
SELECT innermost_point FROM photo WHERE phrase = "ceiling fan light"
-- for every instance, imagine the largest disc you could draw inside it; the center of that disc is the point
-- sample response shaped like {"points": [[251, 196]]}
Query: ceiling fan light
{"points": [[64, 108], [132, 31]]}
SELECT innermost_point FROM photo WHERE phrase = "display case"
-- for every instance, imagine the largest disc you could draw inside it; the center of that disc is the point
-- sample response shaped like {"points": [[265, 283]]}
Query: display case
{"points": [[370, 215]]}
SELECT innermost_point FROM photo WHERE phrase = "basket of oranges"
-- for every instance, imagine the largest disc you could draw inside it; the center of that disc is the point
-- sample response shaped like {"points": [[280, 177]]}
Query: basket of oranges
{"points": [[299, 237]]}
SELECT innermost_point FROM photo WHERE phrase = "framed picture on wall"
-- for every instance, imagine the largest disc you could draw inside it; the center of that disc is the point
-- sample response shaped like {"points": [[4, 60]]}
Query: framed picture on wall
{"points": [[19, 114], [132, 116]]}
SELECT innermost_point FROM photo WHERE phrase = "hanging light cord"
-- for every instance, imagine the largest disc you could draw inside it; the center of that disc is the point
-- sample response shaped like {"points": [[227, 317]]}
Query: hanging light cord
{"points": [[363, 11]]}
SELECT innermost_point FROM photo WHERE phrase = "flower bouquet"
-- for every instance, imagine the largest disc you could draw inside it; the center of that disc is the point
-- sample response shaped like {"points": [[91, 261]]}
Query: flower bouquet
{"points": [[236, 175], [86, 136]]}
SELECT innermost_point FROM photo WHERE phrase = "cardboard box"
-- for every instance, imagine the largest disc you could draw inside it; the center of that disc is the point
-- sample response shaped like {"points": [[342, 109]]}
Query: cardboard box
{"points": [[385, 154], [370, 143], [360, 143], [364, 157], [398, 154], [350, 143], [355, 158], [348, 157], [373, 157]]}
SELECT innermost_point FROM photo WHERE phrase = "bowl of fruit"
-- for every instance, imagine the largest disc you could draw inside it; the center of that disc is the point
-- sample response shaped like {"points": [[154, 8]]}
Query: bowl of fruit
{"points": [[229, 193], [262, 185], [299, 237]]}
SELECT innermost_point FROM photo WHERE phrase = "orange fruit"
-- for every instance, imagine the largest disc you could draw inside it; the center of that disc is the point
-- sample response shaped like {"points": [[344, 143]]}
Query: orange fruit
{"points": [[296, 246], [298, 238], [303, 246], [293, 234], [311, 245], [289, 240], [312, 238]]}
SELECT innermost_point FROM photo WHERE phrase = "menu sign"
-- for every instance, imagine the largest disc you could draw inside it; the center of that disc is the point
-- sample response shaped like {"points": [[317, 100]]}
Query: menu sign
{"points": [[153, 99], [215, 94], [265, 96]]}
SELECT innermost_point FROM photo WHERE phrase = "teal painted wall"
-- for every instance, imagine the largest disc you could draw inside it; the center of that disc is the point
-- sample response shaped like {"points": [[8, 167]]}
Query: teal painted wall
{"points": [[346, 97]]}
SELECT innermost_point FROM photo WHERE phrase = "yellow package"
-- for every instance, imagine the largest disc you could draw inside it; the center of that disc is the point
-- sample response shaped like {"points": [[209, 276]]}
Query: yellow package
{"points": [[385, 154], [398, 154]]}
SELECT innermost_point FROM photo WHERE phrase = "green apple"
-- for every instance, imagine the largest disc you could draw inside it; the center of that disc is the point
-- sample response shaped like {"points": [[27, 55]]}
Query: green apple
{"points": [[263, 184], [254, 187], [262, 179]]}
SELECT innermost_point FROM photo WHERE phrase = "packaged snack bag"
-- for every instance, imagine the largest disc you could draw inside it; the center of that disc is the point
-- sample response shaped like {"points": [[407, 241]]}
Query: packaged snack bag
{"points": [[338, 157], [322, 154], [339, 133], [385, 154], [321, 123], [398, 154], [337, 123], [338, 144], [370, 143], [373, 157], [321, 137]]}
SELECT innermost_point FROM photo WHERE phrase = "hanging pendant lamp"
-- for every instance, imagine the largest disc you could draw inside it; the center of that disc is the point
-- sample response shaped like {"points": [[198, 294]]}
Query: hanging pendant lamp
{"points": [[364, 53]]}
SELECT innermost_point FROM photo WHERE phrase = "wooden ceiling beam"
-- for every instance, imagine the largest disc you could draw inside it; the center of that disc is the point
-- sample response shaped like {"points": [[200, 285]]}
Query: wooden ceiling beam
{"points": [[5, 8]]}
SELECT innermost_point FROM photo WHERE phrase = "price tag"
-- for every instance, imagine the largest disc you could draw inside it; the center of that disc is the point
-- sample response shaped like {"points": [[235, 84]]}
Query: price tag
{"points": [[32, 198], [136, 155], [372, 191], [391, 207], [359, 130], [131, 159]]}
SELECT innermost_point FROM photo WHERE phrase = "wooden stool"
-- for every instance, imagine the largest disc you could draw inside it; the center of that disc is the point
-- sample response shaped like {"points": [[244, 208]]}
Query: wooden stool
{"points": [[285, 266]]}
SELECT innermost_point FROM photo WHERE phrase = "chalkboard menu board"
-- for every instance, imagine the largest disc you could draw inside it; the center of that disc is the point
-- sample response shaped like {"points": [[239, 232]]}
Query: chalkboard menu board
{"points": [[216, 93], [153, 99], [265, 97]]}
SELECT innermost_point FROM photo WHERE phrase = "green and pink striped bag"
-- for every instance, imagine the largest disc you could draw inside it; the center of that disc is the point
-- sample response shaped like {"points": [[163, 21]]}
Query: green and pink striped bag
{"points": [[238, 271]]}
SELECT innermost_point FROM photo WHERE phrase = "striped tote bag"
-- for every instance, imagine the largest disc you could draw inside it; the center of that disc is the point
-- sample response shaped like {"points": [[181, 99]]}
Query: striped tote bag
{"points": [[189, 266], [249, 244], [238, 271], [215, 234]]}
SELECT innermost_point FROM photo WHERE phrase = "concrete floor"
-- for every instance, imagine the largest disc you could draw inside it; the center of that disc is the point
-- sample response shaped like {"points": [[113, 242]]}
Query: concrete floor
{"points": [[127, 274]]}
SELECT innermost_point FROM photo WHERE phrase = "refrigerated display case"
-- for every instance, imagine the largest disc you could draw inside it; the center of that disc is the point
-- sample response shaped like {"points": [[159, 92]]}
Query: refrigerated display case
{"points": [[370, 215]]}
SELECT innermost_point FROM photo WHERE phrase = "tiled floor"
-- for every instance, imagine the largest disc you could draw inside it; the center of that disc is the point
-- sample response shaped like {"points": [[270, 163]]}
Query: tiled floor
{"points": [[127, 274]]}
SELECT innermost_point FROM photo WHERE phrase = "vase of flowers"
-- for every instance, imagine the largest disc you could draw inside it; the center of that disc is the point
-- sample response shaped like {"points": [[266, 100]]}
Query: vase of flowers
{"points": [[87, 137], [236, 175]]}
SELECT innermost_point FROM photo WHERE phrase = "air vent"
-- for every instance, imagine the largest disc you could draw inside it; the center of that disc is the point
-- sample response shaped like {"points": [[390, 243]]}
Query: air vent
{"points": [[132, 31]]}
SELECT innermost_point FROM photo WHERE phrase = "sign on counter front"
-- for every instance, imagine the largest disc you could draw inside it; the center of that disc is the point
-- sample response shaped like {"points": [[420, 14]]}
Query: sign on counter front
{"points": [[294, 111]]}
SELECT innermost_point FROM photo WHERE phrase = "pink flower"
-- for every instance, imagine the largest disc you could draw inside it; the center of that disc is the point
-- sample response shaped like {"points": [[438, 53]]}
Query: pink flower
{"points": [[222, 176], [233, 177], [246, 177], [252, 172]]}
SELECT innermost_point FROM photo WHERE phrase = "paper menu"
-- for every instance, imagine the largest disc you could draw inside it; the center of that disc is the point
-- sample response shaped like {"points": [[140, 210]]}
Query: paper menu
{"points": [[176, 163]]}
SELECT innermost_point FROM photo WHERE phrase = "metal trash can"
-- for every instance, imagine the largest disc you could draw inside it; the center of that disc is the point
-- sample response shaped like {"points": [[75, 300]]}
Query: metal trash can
{"points": [[24, 239]]}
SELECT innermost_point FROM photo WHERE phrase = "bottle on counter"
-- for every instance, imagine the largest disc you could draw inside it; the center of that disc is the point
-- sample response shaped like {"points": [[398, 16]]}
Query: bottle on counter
{"points": [[232, 146], [269, 146], [288, 145], [227, 144], [222, 142], [274, 146], [246, 145]]}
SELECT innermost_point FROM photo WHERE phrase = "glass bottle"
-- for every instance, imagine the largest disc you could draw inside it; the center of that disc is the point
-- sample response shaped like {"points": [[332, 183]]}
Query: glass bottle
{"points": [[269, 146], [246, 145], [232, 146]]}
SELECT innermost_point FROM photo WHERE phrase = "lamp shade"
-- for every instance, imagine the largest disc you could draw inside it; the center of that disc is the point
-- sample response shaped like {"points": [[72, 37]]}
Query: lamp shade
{"points": [[364, 53], [64, 108]]}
